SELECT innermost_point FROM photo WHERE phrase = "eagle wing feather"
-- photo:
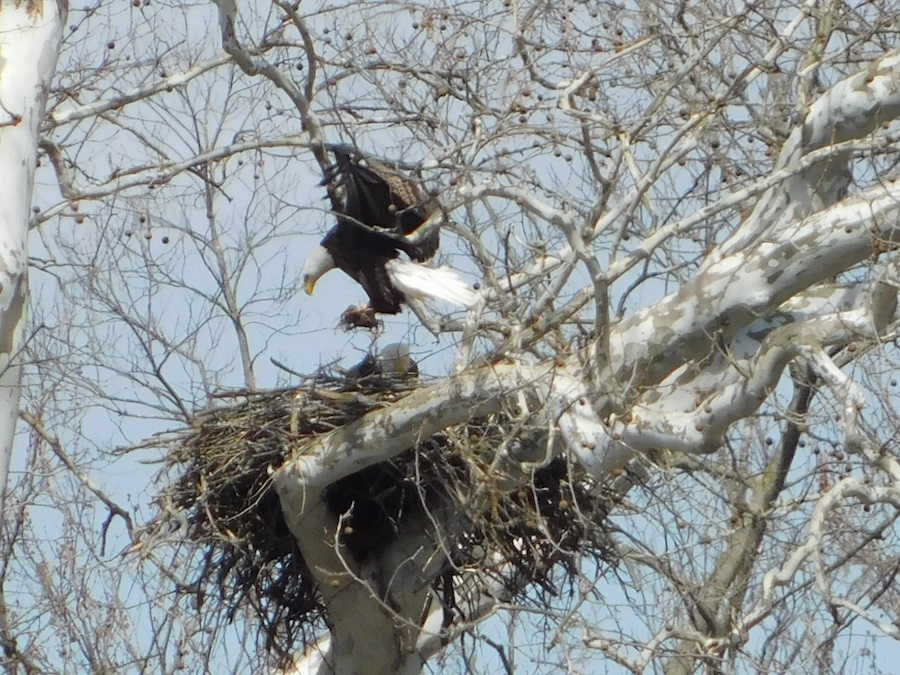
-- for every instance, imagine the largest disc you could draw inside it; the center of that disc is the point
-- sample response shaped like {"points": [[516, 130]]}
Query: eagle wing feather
{"points": [[377, 196]]}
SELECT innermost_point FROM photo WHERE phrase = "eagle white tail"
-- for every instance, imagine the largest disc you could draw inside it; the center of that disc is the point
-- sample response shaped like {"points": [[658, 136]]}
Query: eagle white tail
{"points": [[419, 282]]}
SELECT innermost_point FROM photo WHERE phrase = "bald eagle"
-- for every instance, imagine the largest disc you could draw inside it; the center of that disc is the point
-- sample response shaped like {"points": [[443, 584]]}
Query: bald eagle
{"points": [[394, 361], [378, 213]]}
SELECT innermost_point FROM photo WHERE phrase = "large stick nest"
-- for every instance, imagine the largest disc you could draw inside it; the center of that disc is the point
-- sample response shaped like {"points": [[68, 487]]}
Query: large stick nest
{"points": [[529, 530]]}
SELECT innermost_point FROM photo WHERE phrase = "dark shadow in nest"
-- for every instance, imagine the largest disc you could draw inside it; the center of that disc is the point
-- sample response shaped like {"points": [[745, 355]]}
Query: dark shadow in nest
{"points": [[245, 558], [373, 503]]}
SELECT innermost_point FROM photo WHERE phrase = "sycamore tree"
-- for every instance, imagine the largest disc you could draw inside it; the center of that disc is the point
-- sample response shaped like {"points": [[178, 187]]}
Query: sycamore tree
{"points": [[30, 36], [682, 220]]}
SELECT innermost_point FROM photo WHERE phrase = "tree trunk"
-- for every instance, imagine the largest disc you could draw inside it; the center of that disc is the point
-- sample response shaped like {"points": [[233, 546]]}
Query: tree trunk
{"points": [[30, 38]]}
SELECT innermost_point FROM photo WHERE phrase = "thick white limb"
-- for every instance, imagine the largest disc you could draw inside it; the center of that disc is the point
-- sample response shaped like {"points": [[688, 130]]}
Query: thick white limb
{"points": [[727, 296], [851, 109], [731, 200], [30, 37], [848, 394], [384, 433], [580, 428], [683, 414], [691, 414], [565, 257]]}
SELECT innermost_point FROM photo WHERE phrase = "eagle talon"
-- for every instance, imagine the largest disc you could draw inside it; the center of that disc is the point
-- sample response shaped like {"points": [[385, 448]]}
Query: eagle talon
{"points": [[359, 316]]}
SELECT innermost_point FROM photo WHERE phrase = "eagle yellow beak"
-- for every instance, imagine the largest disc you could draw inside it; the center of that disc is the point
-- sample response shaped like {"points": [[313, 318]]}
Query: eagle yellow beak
{"points": [[309, 285]]}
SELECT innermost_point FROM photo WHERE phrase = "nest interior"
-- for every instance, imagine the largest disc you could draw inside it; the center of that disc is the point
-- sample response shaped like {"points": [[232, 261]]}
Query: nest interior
{"points": [[221, 504]]}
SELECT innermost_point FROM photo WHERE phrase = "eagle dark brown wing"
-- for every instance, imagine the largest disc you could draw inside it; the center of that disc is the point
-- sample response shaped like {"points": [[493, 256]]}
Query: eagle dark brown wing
{"points": [[380, 197]]}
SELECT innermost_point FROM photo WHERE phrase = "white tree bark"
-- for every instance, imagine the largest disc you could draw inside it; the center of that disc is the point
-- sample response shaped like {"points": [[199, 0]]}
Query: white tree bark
{"points": [[30, 38]]}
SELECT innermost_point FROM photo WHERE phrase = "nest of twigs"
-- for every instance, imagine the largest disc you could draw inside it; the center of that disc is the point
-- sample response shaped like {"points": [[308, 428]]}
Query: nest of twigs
{"points": [[221, 502]]}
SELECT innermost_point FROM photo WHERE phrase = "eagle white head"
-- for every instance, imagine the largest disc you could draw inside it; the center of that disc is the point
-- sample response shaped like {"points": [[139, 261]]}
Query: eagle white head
{"points": [[395, 360], [317, 263]]}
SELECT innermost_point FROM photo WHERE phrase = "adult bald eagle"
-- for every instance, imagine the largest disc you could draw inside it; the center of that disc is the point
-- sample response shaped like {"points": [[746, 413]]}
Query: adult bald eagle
{"points": [[393, 362], [378, 212]]}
